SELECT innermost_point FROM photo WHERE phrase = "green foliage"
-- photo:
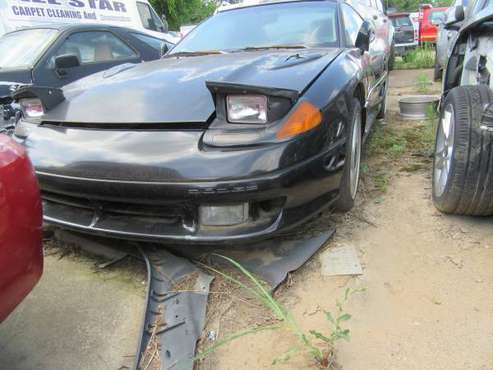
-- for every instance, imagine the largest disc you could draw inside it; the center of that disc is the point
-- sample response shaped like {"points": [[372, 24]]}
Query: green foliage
{"points": [[181, 12], [413, 5], [420, 57], [322, 354]]}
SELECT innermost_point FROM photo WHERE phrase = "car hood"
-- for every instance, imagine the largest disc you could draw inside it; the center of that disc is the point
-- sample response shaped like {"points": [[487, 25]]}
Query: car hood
{"points": [[173, 89]]}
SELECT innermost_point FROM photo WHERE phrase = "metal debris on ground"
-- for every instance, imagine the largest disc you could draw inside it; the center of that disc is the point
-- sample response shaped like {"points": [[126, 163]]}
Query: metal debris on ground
{"points": [[177, 294], [271, 260], [340, 260]]}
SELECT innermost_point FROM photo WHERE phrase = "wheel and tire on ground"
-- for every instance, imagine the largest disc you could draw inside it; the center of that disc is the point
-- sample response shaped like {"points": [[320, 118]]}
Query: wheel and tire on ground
{"points": [[392, 57], [463, 157], [350, 176], [383, 108]]}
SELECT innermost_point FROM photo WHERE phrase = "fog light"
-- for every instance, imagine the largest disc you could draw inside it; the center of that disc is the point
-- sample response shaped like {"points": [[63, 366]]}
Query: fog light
{"points": [[223, 215]]}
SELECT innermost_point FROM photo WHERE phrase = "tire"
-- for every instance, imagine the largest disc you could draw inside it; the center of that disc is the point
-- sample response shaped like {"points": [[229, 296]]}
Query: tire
{"points": [[463, 160], [392, 57], [437, 71], [383, 108], [350, 178]]}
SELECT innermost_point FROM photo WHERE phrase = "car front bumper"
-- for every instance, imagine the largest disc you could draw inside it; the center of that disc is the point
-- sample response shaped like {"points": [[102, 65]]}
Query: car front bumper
{"points": [[277, 202], [149, 185]]}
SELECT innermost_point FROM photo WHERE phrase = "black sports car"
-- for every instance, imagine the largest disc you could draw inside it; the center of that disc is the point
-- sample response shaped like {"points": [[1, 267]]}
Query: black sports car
{"points": [[56, 55], [251, 125]]}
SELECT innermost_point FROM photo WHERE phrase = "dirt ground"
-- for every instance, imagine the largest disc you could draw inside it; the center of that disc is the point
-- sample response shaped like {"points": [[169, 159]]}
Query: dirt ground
{"points": [[427, 300]]}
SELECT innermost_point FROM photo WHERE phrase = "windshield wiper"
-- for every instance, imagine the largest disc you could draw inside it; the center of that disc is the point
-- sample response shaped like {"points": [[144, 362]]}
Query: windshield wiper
{"points": [[253, 48], [194, 53]]}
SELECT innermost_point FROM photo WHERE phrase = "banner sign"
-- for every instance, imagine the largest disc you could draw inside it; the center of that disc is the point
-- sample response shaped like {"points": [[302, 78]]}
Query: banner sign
{"points": [[108, 11]]}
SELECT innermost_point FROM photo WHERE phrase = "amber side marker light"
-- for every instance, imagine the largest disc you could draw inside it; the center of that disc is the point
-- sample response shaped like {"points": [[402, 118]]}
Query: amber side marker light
{"points": [[304, 118]]}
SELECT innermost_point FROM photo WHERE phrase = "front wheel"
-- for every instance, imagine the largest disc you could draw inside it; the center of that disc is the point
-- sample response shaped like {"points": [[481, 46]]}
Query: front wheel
{"points": [[350, 176], [462, 166]]}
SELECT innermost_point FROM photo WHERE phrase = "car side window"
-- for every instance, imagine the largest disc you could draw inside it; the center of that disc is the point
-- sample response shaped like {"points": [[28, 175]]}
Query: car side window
{"points": [[352, 24], [94, 47], [379, 5], [152, 41]]}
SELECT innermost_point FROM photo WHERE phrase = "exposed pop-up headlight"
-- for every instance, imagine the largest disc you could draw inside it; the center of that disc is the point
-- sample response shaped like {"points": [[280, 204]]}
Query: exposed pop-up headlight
{"points": [[31, 107], [247, 108], [223, 215]]}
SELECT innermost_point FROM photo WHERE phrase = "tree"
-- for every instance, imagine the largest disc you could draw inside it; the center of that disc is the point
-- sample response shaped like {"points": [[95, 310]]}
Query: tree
{"points": [[413, 5], [180, 12]]}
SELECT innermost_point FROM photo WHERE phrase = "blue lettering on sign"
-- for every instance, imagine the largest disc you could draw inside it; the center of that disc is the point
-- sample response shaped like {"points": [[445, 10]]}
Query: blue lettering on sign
{"points": [[76, 3], [110, 5]]}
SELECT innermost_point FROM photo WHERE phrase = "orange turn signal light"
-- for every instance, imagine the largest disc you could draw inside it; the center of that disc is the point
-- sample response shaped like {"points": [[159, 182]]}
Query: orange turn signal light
{"points": [[304, 118]]}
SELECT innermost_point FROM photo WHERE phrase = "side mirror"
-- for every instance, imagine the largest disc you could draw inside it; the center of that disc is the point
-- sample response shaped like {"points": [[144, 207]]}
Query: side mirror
{"points": [[66, 61], [455, 17], [164, 48], [365, 36]]}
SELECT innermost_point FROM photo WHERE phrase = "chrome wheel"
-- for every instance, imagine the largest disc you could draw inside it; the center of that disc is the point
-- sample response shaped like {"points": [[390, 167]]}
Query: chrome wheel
{"points": [[355, 156], [443, 150]]}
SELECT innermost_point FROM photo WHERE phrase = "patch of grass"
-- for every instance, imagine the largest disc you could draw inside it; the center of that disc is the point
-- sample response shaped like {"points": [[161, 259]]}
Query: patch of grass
{"points": [[381, 181], [319, 346], [389, 145], [393, 143], [420, 57], [423, 83], [386, 141]]}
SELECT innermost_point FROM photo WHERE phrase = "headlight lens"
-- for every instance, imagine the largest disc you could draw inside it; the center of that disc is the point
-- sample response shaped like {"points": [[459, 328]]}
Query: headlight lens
{"points": [[247, 108], [31, 107]]}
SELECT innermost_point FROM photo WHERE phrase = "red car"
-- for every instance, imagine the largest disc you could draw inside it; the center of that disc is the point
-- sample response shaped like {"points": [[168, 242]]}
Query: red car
{"points": [[21, 255], [429, 19]]}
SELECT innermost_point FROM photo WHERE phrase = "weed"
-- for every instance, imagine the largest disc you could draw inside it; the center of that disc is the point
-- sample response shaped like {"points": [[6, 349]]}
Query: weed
{"points": [[420, 57], [381, 181], [423, 82], [386, 141], [323, 355]]}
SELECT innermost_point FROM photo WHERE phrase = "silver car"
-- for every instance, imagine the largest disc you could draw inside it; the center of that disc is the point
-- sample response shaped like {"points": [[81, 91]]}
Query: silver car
{"points": [[447, 34]]}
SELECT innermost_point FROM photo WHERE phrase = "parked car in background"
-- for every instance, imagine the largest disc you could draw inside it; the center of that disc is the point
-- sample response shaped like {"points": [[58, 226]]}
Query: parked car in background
{"points": [[429, 20], [447, 35], [236, 134], [21, 255], [404, 32], [135, 14], [462, 168], [57, 55]]}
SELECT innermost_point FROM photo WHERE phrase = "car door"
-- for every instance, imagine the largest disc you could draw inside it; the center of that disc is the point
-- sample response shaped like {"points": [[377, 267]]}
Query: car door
{"points": [[96, 51], [352, 22]]}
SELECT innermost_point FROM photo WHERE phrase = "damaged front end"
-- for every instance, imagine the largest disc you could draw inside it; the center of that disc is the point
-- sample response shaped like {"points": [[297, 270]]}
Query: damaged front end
{"points": [[203, 183]]}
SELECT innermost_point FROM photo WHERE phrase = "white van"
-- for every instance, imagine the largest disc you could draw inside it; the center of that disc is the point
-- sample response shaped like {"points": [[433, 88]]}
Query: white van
{"points": [[137, 14]]}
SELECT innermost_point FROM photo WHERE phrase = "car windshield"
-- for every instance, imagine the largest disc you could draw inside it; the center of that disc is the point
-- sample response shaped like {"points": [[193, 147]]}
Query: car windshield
{"points": [[20, 49], [437, 16], [302, 24]]}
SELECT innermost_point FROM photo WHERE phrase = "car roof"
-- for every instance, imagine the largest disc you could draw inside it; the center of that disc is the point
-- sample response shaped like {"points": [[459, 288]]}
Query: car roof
{"points": [[255, 3], [62, 27]]}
